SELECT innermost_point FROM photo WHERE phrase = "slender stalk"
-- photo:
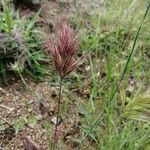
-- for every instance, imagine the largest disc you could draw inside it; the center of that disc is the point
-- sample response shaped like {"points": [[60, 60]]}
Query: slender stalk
{"points": [[58, 107]]}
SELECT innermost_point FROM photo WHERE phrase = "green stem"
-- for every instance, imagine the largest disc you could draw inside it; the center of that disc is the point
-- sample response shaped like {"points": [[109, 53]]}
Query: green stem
{"points": [[58, 107]]}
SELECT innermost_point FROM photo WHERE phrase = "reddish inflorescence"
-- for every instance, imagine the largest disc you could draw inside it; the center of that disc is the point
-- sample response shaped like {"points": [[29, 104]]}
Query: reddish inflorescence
{"points": [[64, 49]]}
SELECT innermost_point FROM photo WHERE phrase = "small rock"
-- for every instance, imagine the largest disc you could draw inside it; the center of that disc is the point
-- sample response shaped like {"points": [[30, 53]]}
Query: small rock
{"points": [[87, 68], [54, 120]]}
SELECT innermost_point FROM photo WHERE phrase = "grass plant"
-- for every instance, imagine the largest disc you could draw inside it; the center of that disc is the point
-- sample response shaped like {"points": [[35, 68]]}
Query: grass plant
{"points": [[21, 47]]}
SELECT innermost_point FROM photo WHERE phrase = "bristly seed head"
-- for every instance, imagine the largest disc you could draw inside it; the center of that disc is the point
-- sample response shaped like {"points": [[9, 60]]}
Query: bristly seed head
{"points": [[64, 49]]}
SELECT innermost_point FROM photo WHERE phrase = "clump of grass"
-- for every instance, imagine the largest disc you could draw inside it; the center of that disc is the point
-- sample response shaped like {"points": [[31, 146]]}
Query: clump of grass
{"points": [[109, 130], [20, 46]]}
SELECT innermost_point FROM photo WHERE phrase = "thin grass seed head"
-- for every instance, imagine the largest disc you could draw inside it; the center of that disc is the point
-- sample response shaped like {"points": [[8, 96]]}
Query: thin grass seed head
{"points": [[65, 48]]}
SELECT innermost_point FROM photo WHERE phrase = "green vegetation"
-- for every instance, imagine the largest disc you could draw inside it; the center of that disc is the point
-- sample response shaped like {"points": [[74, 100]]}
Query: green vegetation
{"points": [[112, 43], [21, 50], [110, 90]]}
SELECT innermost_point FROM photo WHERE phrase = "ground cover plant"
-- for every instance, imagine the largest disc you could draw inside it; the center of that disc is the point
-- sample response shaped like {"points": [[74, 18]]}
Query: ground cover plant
{"points": [[18, 52], [104, 104]]}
